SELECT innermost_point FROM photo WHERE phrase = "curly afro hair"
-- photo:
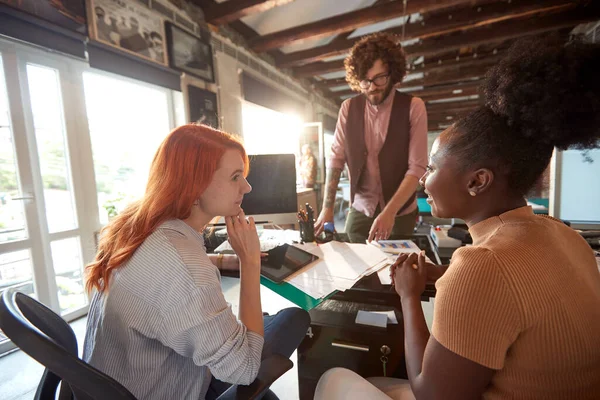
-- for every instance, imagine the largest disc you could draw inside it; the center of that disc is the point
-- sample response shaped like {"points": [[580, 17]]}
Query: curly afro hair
{"points": [[543, 94], [369, 49]]}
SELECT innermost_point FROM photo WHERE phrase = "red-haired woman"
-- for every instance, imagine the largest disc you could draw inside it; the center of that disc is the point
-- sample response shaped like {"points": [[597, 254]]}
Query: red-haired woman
{"points": [[158, 321]]}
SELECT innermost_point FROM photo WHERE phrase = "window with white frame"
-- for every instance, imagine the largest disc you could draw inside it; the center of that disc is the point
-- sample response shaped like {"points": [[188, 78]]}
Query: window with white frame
{"points": [[128, 121]]}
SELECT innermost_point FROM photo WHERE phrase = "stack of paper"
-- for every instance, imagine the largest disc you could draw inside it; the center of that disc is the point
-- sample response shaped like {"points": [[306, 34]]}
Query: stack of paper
{"points": [[339, 267]]}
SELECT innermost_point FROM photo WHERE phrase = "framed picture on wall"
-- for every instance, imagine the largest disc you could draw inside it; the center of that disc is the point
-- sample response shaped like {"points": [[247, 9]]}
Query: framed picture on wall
{"points": [[202, 106], [190, 53], [68, 14], [129, 26]]}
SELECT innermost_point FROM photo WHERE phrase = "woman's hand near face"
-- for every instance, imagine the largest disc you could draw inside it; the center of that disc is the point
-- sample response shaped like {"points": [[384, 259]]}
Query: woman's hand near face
{"points": [[244, 240]]}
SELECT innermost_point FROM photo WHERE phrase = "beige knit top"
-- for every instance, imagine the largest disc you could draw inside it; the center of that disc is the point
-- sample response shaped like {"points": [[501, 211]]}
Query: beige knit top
{"points": [[524, 300]]}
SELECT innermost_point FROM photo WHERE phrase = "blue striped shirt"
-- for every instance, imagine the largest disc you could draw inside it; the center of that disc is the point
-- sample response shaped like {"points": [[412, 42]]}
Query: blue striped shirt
{"points": [[164, 325]]}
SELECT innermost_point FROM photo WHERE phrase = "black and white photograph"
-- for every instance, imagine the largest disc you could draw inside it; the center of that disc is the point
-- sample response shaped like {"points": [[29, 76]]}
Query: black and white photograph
{"points": [[129, 26], [68, 14], [190, 53], [202, 106]]}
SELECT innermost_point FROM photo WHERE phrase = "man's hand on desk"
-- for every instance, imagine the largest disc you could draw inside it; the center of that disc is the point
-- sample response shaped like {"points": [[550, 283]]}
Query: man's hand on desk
{"points": [[326, 215], [382, 226]]}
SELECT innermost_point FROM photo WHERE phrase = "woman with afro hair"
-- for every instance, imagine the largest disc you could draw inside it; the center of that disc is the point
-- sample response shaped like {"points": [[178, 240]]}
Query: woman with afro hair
{"points": [[517, 314]]}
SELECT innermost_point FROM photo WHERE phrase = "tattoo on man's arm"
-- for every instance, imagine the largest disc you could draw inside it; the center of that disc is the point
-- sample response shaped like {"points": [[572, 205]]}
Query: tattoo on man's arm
{"points": [[333, 179]]}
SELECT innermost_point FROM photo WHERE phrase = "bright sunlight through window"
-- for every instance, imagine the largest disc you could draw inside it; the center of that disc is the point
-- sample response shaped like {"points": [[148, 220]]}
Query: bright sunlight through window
{"points": [[128, 121], [269, 132]]}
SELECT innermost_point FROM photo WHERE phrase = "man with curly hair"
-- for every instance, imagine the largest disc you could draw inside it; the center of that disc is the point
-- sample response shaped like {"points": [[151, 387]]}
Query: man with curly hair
{"points": [[381, 134]]}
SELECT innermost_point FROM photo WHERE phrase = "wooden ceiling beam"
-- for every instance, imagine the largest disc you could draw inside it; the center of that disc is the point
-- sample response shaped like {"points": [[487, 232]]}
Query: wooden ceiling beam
{"points": [[318, 68], [452, 108], [507, 30], [431, 93], [437, 125], [442, 121], [232, 10], [490, 33], [349, 22], [331, 83], [437, 25], [442, 117], [465, 76], [463, 62], [456, 88], [436, 128], [448, 95], [343, 93]]}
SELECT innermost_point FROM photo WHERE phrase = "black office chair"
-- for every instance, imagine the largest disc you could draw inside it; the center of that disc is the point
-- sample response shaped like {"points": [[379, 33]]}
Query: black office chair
{"points": [[47, 338]]}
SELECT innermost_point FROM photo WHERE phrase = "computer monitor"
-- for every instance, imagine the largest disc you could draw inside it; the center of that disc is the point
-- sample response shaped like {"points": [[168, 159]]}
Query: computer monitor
{"points": [[273, 198], [575, 194]]}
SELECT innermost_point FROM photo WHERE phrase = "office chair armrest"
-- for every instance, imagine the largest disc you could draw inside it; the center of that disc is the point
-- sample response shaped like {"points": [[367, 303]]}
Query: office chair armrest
{"points": [[270, 370]]}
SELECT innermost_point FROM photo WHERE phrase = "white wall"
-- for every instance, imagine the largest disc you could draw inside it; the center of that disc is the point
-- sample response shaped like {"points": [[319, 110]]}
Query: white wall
{"points": [[229, 93], [231, 96]]}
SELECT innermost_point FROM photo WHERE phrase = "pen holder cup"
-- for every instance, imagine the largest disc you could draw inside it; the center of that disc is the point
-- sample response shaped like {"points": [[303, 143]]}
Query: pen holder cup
{"points": [[307, 231]]}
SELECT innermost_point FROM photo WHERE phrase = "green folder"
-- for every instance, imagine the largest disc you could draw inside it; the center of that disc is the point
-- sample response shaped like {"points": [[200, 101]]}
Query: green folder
{"points": [[293, 294]]}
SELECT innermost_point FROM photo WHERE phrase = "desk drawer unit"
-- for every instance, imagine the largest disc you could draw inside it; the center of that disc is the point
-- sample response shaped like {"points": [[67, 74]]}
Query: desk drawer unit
{"points": [[338, 343]]}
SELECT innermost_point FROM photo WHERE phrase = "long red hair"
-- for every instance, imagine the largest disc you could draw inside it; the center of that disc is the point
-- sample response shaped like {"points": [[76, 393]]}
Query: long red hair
{"points": [[181, 171]]}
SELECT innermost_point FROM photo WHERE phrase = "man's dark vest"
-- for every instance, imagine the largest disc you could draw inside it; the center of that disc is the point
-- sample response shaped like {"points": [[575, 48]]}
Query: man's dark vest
{"points": [[393, 157]]}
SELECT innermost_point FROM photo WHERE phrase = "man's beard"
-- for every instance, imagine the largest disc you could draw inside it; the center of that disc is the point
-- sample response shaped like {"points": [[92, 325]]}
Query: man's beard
{"points": [[381, 95]]}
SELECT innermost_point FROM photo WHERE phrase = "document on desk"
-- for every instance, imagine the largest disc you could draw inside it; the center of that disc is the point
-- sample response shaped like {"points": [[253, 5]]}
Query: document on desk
{"points": [[339, 267], [396, 246]]}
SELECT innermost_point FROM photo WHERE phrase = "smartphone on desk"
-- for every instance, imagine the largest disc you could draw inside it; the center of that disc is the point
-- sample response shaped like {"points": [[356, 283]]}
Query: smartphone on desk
{"points": [[282, 261]]}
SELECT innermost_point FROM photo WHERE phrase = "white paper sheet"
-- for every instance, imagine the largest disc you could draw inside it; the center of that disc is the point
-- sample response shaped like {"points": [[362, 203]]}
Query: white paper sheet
{"points": [[339, 267], [384, 275], [391, 316]]}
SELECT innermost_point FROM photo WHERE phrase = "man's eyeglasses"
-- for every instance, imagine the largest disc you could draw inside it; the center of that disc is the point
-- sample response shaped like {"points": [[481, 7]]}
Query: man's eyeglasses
{"points": [[379, 80]]}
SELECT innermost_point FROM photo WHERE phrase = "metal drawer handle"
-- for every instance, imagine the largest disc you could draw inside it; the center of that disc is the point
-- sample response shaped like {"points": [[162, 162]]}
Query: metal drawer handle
{"points": [[358, 347]]}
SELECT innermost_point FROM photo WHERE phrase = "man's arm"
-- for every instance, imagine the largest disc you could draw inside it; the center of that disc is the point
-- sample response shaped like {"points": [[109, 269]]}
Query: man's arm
{"points": [[407, 188], [331, 184], [326, 214], [336, 165]]}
